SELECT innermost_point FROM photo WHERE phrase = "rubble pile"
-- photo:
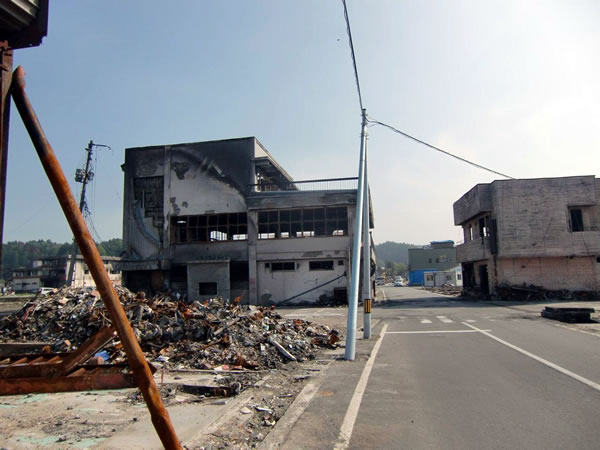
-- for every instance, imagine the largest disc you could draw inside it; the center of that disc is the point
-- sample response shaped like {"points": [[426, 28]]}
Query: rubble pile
{"points": [[532, 293], [199, 335], [446, 289]]}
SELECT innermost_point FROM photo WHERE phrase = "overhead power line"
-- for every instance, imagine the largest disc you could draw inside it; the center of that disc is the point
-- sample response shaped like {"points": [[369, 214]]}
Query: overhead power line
{"points": [[352, 53], [406, 135]]}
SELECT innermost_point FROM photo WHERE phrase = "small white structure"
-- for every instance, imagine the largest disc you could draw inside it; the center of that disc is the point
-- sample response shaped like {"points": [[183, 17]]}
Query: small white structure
{"points": [[452, 277]]}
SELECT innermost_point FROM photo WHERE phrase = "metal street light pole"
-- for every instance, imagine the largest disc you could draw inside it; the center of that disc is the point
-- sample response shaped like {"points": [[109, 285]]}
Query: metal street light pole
{"points": [[350, 352], [366, 260]]}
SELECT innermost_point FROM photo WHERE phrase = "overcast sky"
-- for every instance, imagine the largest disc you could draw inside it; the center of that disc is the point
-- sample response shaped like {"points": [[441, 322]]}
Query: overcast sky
{"points": [[512, 85]]}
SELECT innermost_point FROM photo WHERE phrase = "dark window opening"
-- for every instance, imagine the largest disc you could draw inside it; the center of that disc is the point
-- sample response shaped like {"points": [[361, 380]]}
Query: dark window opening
{"points": [[149, 192], [470, 232], [238, 275], [598, 259], [209, 228], [483, 228], [320, 265], [340, 262], [207, 288], [283, 267], [305, 222], [576, 219]]}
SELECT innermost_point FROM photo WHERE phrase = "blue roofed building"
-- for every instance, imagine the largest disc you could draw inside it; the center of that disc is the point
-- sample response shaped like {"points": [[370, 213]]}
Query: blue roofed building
{"points": [[438, 256]]}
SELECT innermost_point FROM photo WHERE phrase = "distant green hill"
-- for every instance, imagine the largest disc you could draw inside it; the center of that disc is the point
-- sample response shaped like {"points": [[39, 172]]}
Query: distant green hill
{"points": [[393, 252]]}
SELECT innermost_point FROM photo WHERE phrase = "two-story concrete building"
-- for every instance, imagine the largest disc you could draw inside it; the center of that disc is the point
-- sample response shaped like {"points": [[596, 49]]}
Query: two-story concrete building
{"points": [[438, 256], [543, 232], [223, 218]]}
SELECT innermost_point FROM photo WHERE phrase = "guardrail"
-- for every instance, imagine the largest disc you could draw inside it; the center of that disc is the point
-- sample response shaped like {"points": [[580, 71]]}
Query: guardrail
{"points": [[329, 184]]}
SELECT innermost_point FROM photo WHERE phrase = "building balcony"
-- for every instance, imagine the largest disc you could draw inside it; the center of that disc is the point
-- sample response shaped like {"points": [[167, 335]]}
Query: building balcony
{"points": [[474, 250]]}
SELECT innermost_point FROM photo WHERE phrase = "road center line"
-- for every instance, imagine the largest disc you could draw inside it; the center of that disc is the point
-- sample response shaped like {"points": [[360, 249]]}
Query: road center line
{"points": [[556, 367], [352, 412], [434, 331]]}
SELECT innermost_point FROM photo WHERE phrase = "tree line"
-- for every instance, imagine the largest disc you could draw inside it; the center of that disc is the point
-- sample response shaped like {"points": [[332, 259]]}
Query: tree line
{"points": [[17, 254]]}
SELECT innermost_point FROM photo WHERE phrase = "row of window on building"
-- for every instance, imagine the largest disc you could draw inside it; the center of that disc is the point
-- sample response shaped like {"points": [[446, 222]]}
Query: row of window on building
{"points": [[276, 224], [291, 266]]}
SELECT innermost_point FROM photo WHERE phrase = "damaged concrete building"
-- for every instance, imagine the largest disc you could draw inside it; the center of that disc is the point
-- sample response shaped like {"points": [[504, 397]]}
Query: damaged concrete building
{"points": [[52, 272], [223, 218], [538, 232]]}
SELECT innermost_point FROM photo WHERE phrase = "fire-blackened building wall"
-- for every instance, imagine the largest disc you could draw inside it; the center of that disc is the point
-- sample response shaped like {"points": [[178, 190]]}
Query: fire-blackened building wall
{"points": [[542, 232], [222, 218]]}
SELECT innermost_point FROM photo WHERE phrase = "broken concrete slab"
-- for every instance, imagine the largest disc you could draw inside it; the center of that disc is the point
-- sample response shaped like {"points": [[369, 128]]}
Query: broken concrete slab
{"points": [[568, 314]]}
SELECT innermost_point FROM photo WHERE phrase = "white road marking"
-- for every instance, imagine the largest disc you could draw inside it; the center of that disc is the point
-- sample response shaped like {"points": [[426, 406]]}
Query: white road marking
{"points": [[556, 367], [578, 330], [471, 321], [434, 331], [444, 319], [425, 321], [352, 412]]}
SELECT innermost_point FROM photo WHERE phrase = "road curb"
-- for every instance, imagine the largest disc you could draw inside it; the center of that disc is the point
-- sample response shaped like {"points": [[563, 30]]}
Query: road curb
{"points": [[282, 429]]}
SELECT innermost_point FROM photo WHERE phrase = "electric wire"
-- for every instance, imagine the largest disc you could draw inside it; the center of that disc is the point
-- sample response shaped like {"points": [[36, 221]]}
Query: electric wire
{"points": [[406, 135], [347, 19]]}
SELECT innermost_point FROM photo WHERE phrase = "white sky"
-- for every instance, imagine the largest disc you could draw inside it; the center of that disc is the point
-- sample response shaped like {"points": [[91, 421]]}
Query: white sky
{"points": [[512, 85]]}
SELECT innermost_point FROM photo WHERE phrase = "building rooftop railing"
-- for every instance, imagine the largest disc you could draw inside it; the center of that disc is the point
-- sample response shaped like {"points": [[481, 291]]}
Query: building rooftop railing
{"points": [[329, 184]]}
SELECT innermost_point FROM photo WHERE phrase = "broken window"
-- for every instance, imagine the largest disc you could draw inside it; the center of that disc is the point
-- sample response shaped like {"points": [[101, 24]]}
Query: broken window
{"points": [[305, 222], [209, 228], [575, 219], [320, 265], [207, 288], [149, 192], [483, 228], [282, 266]]}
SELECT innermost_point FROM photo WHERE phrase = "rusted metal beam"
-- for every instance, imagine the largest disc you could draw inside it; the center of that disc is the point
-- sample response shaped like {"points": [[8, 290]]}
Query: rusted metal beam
{"points": [[135, 357], [86, 350], [91, 382], [6, 55], [45, 365]]}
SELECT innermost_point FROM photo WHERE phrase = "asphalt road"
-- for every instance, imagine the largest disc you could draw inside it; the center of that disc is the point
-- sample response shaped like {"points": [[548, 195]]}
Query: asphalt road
{"points": [[450, 374]]}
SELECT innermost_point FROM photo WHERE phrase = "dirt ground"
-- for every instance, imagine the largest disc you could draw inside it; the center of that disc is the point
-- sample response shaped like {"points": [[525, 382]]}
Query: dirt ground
{"points": [[119, 418]]}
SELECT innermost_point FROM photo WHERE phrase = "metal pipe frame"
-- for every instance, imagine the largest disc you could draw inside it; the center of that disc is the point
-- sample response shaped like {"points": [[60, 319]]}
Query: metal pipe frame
{"points": [[135, 358]]}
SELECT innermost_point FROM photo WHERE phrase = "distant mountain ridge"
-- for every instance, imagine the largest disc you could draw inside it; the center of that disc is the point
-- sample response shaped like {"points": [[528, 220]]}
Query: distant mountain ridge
{"points": [[395, 252]]}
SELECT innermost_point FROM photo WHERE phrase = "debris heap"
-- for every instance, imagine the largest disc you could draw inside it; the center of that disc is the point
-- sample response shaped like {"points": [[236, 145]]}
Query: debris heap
{"points": [[200, 335]]}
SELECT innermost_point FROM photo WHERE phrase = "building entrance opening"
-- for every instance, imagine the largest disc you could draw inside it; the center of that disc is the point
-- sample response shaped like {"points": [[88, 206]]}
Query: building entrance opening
{"points": [[483, 280]]}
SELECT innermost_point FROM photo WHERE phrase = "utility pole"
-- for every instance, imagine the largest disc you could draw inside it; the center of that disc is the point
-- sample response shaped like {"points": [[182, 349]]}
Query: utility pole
{"points": [[366, 260], [83, 176], [350, 352]]}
